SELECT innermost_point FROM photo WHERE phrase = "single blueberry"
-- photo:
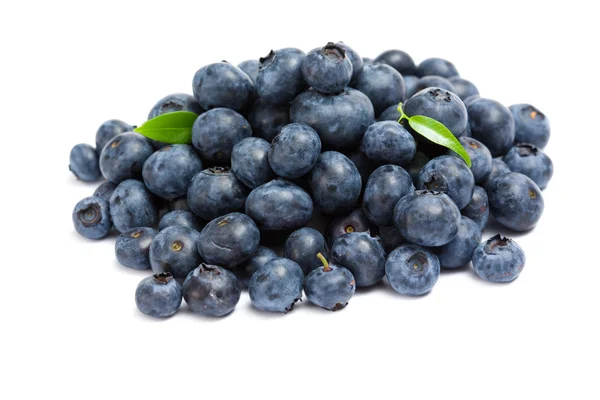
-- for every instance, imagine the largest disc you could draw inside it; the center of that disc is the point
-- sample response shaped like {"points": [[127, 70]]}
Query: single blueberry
{"points": [[276, 286], [355, 221], [427, 218], [450, 175], [108, 130], [267, 119], [124, 156], [250, 162], [222, 85], [498, 259], [499, 168], [229, 240], [211, 291], [412, 270], [83, 162], [463, 88], [459, 251], [515, 201], [531, 161], [432, 81], [132, 247], [250, 67], [327, 69], [303, 245], [390, 237], [175, 250], [478, 208], [411, 82], [280, 78], [382, 84], [91, 217], [158, 295], [355, 59], [492, 124], [362, 254], [388, 142], [179, 218], [216, 132], [329, 286], [386, 186], [175, 102], [531, 125], [436, 66], [133, 206], [294, 151], [400, 60], [416, 165], [105, 190], [260, 257], [481, 158], [441, 105]]}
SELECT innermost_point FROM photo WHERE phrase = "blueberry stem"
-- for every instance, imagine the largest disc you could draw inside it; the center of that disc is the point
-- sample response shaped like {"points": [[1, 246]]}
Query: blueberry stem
{"points": [[326, 267], [401, 111]]}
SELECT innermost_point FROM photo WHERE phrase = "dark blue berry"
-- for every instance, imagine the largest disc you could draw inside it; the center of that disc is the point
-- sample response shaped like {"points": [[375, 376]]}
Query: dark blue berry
{"points": [[250, 67], [158, 295], [362, 254], [481, 158], [459, 251], [436, 66], [330, 286], [91, 218], [400, 60], [463, 88], [441, 105], [179, 218], [294, 151], [105, 190], [382, 84], [498, 259], [478, 208], [260, 257], [211, 291], [355, 59], [132, 247], [276, 286], [450, 175], [387, 185], [175, 102], [492, 124], [108, 130], [222, 85], [327, 69], [499, 168], [279, 78], [83, 162], [133, 206], [175, 250], [267, 119], [388, 142], [250, 162], [303, 245], [531, 161], [355, 221], [412, 270], [124, 156], [531, 125]]}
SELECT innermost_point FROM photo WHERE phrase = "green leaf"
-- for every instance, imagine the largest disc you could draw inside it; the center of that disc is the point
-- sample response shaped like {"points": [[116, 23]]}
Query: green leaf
{"points": [[438, 133], [173, 128]]}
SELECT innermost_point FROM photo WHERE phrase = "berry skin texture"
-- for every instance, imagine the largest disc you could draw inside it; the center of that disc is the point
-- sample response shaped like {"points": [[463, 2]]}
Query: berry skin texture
{"points": [[459, 251], [250, 67], [531, 125], [416, 165], [167, 173], [211, 291], [363, 164], [294, 151], [390, 114], [330, 288], [83, 162], [531, 161], [260, 257], [158, 296], [91, 218], [250, 162], [355, 221], [412, 270], [215, 132], [431, 81], [427, 218], [173, 103], [124, 156], [105, 190], [481, 158], [399, 60], [327, 69], [498, 259], [463, 88], [478, 208], [108, 130], [279, 205], [362, 254], [279, 78], [355, 59], [515, 201], [340, 120], [132, 247], [133, 206], [267, 119], [436, 66], [441, 105], [411, 82], [493, 125], [215, 192], [387, 185], [229, 240], [390, 237], [388, 142], [450, 175], [179, 218], [335, 183], [175, 250], [302, 247], [276, 286], [382, 84], [222, 85], [499, 168]]}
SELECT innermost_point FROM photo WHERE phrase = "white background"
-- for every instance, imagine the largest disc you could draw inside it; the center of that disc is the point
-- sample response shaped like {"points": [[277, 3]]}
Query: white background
{"points": [[70, 326]]}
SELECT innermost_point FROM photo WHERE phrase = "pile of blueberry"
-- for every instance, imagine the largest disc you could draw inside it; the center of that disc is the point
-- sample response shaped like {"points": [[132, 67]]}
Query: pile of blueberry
{"points": [[296, 140]]}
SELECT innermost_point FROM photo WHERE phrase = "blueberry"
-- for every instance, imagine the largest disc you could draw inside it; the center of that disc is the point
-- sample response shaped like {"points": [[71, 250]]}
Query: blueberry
{"points": [[167, 173], [250, 162], [478, 208], [531, 125], [276, 286], [492, 124], [459, 251], [267, 119], [387, 185], [179, 218], [463, 88], [390, 114], [450, 175], [279, 78], [215, 192], [250, 67], [211, 291], [441, 105], [436, 66], [83, 162], [355, 59], [222, 85], [216, 132], [105, 190], [124, 156], [411, 82], [432, 81], [335, 183], [158, 295], [382, 84], [133, 206], [388, 142], [91, 218], [294, 151], [427, 218], [363, 164], [175, 250], [390, 237], [132, 247], [481, 158], [179, 204], [355, 221], [229, 240], [400, 60], [330, 286], [498, 259], [412, 270], [471, 99], [416, 165], [529, 160], [327, 69], [499, 168], [340, 120], [362, 254], [515, 201], [108, 130], [303, 245], [260, 257], [175, 102]]}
